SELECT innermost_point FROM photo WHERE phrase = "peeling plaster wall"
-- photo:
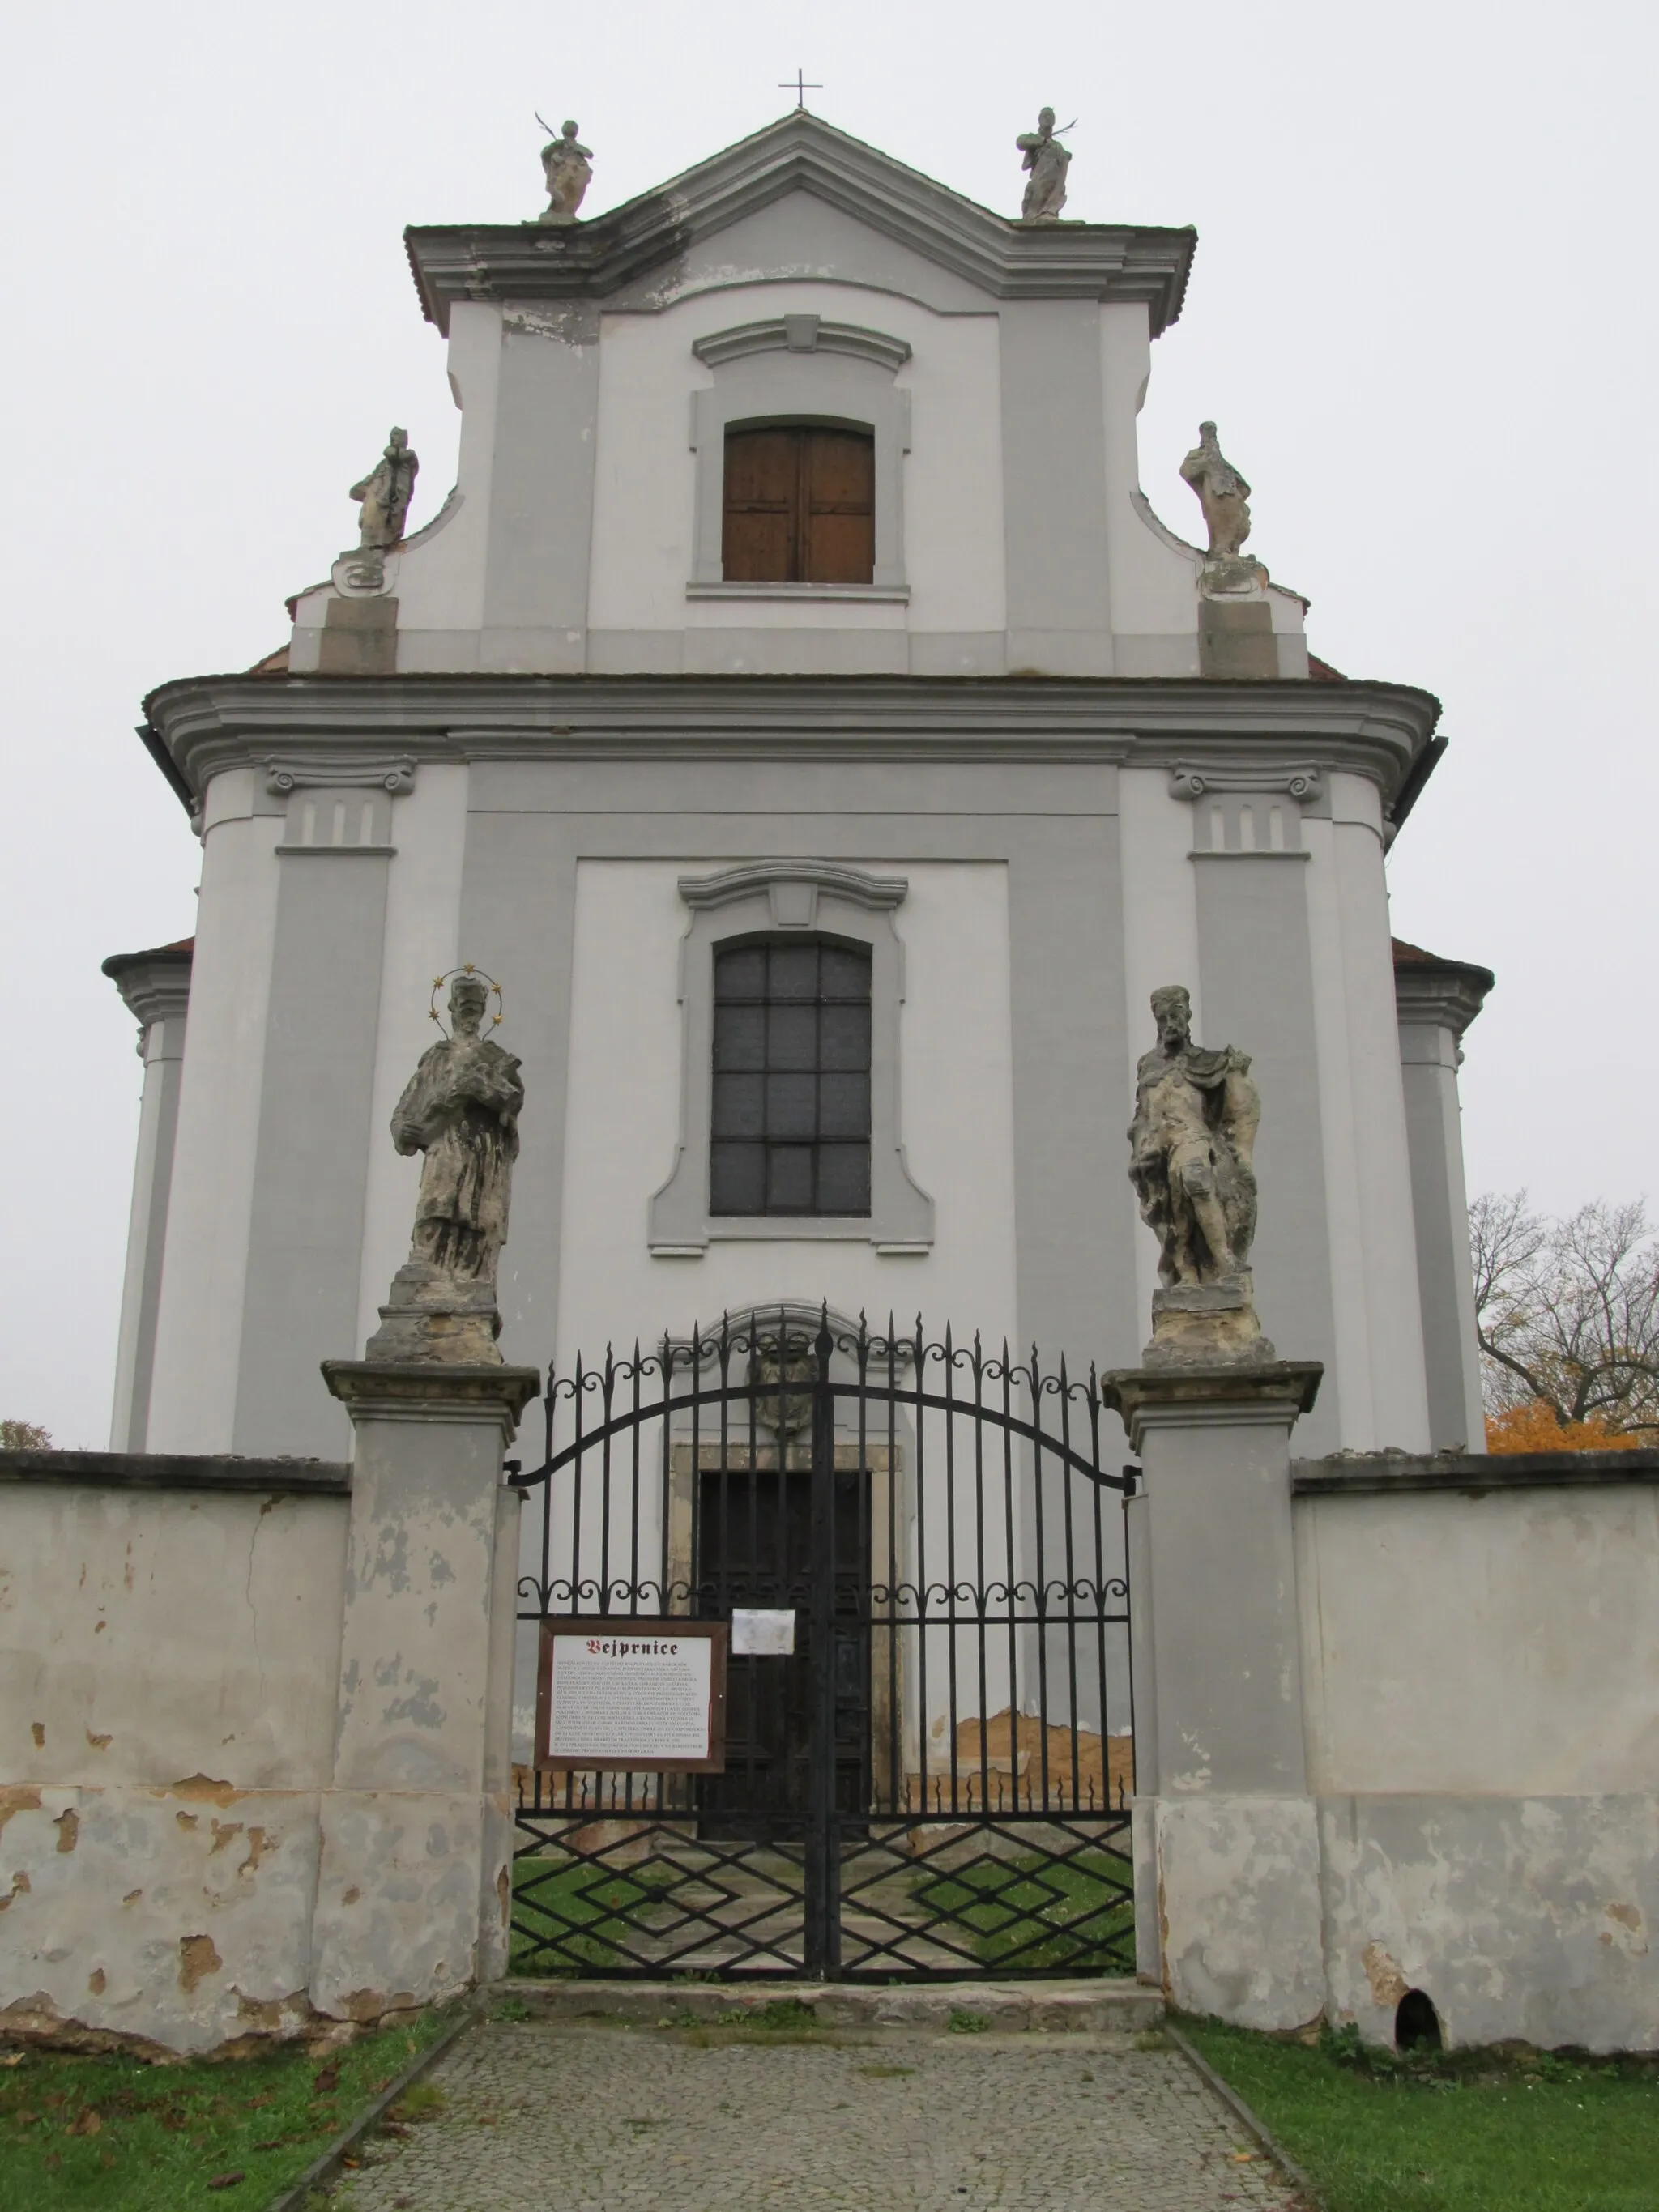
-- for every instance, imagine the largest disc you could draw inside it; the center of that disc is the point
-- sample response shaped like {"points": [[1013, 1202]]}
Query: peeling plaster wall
{"points": [[1520, 1917], [168, 1664], [1504, 1643], [1483, 1739]]}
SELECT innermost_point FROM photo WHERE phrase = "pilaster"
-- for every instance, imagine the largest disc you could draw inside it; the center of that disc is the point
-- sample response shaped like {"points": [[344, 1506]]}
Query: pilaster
{"points": [[155, 987], [414, 1882], [1435, 1001]]}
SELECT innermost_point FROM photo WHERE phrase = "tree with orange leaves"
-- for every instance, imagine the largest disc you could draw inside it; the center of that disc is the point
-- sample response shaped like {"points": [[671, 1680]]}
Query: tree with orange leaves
{"points": [[1567, 1313]]}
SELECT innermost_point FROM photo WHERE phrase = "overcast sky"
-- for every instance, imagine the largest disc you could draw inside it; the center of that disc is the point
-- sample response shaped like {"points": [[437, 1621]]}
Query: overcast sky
{"points": [[1421, 311]]}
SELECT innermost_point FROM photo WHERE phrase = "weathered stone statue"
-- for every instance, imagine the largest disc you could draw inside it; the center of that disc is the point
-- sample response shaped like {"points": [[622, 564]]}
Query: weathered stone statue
{"points": [[1222, 493], [461, 1109], [1048, 161], [567, 166], [385, 493], [1191, 1147]]}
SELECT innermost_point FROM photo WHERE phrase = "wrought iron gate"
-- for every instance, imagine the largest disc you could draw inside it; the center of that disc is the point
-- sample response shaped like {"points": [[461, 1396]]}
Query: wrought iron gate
{"points": [[935, 1783]]}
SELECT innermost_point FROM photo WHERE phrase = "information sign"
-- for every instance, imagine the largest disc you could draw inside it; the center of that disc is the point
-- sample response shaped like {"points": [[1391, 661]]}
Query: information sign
{"points": [[619, 1691], [759, 1634]]}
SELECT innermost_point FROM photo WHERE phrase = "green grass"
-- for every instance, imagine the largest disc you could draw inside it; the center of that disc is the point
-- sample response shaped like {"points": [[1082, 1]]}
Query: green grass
{"points": [[123, 2136], [1034, 1912], [1468, 2131], [575, 1912]]}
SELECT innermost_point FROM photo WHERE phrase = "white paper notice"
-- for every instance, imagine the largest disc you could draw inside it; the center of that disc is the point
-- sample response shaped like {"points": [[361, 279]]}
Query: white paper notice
{"points": [[617, 1697], [761, 1635]]}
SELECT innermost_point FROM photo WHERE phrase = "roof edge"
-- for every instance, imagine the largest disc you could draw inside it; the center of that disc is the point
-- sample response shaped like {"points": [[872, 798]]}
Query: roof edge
{"points": [[209, 723], [1006, 258]]}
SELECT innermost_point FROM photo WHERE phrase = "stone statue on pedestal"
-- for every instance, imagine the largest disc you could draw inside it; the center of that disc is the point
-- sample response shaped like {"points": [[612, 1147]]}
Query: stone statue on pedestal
{"points": [[1222, 493], [385, 493], [567, 166], [1191, 1148], [461, 1109], [1048, 161]]}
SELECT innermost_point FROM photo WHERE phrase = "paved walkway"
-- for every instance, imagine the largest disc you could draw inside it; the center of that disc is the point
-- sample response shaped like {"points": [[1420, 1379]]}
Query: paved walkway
{"points": [[547, 2117]]}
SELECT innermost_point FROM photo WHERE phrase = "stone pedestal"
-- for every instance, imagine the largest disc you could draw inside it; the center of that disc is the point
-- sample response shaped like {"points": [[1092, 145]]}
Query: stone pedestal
{"points": [[1226, 1843], [1196, 1324], [413, 1880], [430, 1317], [1235, 620]]}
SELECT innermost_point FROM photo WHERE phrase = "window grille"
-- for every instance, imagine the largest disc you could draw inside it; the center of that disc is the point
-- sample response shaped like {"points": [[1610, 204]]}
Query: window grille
{"points": [[790, 1132]]}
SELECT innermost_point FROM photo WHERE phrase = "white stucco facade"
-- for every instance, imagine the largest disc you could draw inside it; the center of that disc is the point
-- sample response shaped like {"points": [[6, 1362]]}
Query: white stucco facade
{"points": [[1035, 716], [1047, 757]]}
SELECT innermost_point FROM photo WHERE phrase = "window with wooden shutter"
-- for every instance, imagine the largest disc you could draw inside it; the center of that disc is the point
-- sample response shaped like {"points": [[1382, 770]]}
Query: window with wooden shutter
{"points": [[800, 506]]}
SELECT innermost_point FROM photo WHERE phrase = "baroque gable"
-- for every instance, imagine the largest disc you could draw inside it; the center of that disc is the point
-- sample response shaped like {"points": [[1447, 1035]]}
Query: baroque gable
{"points": [[650, 243]]}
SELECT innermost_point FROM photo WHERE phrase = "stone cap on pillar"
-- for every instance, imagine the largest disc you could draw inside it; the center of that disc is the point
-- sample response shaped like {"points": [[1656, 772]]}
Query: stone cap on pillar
{"points": [[1234, 1396], [429, 1390]]}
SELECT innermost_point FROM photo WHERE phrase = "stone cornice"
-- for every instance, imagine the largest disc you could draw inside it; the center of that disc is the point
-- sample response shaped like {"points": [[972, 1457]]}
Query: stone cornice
{"points": [[263, 1478], [154, 986], [1470, 1474], [211, 723], [1236, 1396], [1005, 259], [407, 1391], [1441, 994]]}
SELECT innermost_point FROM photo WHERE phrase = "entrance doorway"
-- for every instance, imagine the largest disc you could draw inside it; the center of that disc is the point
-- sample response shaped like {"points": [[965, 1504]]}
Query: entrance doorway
{"points": [[754, 1549], [933, 1781]]}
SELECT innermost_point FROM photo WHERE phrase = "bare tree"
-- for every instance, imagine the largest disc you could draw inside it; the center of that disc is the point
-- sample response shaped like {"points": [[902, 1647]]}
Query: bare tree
{"points": [[1568, 1311]]}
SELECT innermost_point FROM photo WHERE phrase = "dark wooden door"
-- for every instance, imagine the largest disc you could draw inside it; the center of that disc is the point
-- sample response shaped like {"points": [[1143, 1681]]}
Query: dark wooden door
{"points": [[754, 1547], [800, 506]]}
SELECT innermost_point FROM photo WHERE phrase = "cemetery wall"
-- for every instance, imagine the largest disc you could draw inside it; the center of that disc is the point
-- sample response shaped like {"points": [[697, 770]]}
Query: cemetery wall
{"points": [[169, 1662], [1479, 1652], [1479, 1643]]}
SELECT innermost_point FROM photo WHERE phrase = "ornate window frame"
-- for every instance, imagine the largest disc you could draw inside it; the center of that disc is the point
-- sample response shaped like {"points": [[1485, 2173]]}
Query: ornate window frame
{"points": [[767, 899], [800, 368]]}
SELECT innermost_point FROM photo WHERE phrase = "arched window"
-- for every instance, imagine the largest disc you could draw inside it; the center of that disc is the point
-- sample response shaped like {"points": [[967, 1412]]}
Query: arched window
{"points": [[789, 1128], [799, 505]]}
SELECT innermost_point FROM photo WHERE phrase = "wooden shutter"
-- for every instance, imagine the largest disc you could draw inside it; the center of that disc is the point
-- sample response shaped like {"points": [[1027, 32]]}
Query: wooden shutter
{"points": [[763, 495], [799, 507], [840, 507]]}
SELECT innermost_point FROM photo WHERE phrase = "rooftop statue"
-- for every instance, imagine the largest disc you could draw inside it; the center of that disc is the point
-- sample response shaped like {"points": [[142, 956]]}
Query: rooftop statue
{"points": [[1048, 161], [385, 493], [1191, 1161], [567, 165], [1222, 493], [460, 1107]]}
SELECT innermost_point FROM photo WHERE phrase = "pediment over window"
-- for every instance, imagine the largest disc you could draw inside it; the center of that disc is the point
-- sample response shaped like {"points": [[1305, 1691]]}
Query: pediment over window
{"points": [[802, 334], [791, 888]]}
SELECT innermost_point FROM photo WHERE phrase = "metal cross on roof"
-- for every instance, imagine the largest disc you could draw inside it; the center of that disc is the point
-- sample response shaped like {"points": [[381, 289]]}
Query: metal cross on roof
{"points": [[799, 85]]}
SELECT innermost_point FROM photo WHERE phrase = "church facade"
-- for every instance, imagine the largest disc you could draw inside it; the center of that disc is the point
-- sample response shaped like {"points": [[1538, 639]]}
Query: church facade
{"points": [[800, 710]]}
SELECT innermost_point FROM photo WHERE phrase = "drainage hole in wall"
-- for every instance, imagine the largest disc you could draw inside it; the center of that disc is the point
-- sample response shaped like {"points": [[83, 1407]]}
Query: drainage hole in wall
{"points": [[1416, 2023]]}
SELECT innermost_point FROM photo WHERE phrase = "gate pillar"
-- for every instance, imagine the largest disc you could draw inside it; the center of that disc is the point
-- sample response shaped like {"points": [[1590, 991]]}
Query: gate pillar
{"points": [[1226, 1842], [414, 1881]]}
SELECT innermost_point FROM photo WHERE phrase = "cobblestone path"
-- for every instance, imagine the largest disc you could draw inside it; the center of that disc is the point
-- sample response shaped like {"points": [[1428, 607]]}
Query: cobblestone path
{"points": [[543, 2118]]}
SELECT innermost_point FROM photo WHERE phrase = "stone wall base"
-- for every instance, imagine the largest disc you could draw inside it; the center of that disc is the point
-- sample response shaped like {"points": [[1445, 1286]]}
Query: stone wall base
{"points": [[172, 1921], [1237, 1902], [1527, 1919], [1532, 1919]]}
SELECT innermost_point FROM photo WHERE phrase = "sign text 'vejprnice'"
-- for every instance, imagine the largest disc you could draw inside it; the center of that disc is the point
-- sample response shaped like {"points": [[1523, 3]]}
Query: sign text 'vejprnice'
{"points": [[646, 1694]]}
